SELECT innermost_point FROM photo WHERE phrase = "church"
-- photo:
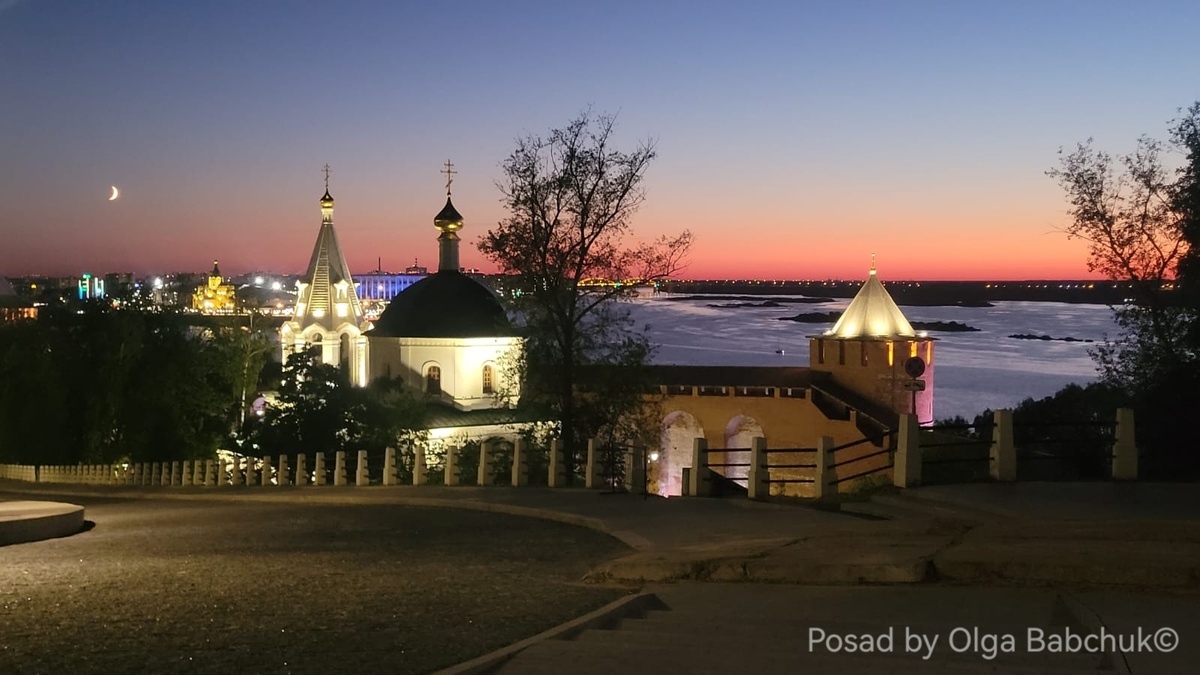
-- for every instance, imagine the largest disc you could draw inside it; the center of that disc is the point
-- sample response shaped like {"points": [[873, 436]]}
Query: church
{"points": [[450, 337], [446, 335]]}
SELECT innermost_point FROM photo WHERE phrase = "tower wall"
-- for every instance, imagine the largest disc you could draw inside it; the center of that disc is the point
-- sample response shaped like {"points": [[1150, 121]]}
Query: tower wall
{"points": [[874, 369]]}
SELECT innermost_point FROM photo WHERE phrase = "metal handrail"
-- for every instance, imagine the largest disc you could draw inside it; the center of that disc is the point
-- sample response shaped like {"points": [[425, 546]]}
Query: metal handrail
{"points": [[868, 439], [859, 459], [859, 475]]}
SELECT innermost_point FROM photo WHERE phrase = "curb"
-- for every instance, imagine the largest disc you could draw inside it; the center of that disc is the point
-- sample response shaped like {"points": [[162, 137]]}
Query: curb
{"points": [[26, 521], [605, 617], [283, 495]]}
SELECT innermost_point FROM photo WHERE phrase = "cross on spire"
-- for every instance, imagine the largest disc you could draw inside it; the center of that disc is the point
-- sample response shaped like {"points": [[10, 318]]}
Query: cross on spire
{"points": [[872, 263], [327, 171], [449, 171]]}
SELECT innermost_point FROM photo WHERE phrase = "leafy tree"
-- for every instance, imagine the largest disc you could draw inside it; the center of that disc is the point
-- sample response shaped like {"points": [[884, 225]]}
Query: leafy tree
{"points": [[98, 384], [319, 410], [570, 198], [1142, 221]]}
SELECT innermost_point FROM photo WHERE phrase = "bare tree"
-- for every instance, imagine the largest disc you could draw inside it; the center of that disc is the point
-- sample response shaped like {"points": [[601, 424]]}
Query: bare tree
{"points": [[571, 197], [1139, 219]]}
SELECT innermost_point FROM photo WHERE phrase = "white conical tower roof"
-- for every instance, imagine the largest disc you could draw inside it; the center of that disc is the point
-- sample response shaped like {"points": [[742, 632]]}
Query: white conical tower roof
{"points": [[327, 296], [872, 314]]}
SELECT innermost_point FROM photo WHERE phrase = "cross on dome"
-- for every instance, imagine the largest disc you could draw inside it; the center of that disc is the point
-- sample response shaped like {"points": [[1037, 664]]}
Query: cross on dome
{"points": [[449, 171]]}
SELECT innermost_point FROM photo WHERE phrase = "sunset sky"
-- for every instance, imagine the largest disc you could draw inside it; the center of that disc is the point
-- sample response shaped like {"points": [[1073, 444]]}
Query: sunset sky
{"points": [[794, 138]]}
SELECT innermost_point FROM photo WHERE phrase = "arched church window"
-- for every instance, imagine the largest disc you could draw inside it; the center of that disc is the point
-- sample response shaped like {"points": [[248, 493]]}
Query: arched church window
{"points": [[433, 380], [487, 379]]}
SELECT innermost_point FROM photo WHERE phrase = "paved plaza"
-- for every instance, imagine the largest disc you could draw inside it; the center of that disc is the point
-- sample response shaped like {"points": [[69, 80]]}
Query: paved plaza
{"points": [[405, 579]]}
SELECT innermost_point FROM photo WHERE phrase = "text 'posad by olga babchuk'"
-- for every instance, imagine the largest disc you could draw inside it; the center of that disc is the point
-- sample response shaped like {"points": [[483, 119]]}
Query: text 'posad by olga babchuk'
{"points": [[988, 645]]}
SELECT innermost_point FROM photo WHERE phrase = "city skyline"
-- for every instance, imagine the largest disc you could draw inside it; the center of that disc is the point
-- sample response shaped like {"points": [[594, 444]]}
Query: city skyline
{"points": [[794, 141]]}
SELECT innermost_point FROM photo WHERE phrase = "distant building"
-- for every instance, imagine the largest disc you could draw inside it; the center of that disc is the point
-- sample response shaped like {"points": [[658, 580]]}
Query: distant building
{"points": [[90, 287], [215, 296], [383, 286], [12, 306]]}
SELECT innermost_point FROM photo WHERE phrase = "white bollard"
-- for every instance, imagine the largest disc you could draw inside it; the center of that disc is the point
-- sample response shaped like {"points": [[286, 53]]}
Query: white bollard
{"points": [[1125, 456], [484, 473], [339, 468], [451, 473], [824, 475], [319, 470], [1003, 453], [281, 474], [389, 466], [176, 474], [362, 473], [556, 473], [592, 477], [699, 481], [757, 483], [906, 470], [520, 469], [301, 469], [267, 471], [420, 470]]}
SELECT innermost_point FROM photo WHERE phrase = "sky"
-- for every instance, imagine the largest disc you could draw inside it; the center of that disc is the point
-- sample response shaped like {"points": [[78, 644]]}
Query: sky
{"points": [[793, 139]]}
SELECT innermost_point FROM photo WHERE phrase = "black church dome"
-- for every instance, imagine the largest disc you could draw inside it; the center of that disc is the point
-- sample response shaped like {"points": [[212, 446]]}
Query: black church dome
{"points": [[448, 304]]}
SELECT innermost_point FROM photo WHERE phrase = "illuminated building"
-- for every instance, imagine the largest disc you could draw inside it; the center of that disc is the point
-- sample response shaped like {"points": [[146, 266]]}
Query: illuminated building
{"points": [[13, 307], [90, 287], [872, 350], [328, 312], [215, 296], [447, 334]]}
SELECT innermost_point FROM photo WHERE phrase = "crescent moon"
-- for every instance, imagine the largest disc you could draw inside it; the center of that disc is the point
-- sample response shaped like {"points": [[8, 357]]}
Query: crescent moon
{"points": [[116, 193]]}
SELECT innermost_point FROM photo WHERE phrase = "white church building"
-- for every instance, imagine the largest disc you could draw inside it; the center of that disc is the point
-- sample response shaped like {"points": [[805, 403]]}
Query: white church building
{"points": [[447, 335]]}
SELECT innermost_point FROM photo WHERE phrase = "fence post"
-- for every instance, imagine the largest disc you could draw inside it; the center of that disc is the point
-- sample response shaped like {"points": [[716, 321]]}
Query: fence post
{"points": [[1003, 453], [554, 477], [451, 473], [420, 471], [699, 481], [281, 474], [339, 468], [362, 473], [482, 475], [824, 475], [266, 471], [520, 470], [757, 486], [301, 469], [389, 466], [319, 477], [591, 478], [906, 470], [1125, 457], [635, 469]]}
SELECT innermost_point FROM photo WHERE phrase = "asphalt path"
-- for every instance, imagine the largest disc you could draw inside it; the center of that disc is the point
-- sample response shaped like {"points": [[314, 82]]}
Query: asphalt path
{"points": [[237, 587]]}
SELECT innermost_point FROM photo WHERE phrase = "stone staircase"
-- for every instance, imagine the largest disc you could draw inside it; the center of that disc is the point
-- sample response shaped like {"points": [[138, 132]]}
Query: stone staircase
{"points": [[712, 630]]}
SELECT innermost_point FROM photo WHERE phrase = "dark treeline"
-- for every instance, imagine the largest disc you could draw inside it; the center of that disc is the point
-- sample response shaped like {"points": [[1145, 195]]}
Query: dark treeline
{"points": [[94, 384], [933, 293]]}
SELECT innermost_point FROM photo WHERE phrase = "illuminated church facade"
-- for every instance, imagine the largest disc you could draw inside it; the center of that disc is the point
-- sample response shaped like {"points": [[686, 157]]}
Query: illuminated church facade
{"points": [[446, 335], [215, 296]]}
